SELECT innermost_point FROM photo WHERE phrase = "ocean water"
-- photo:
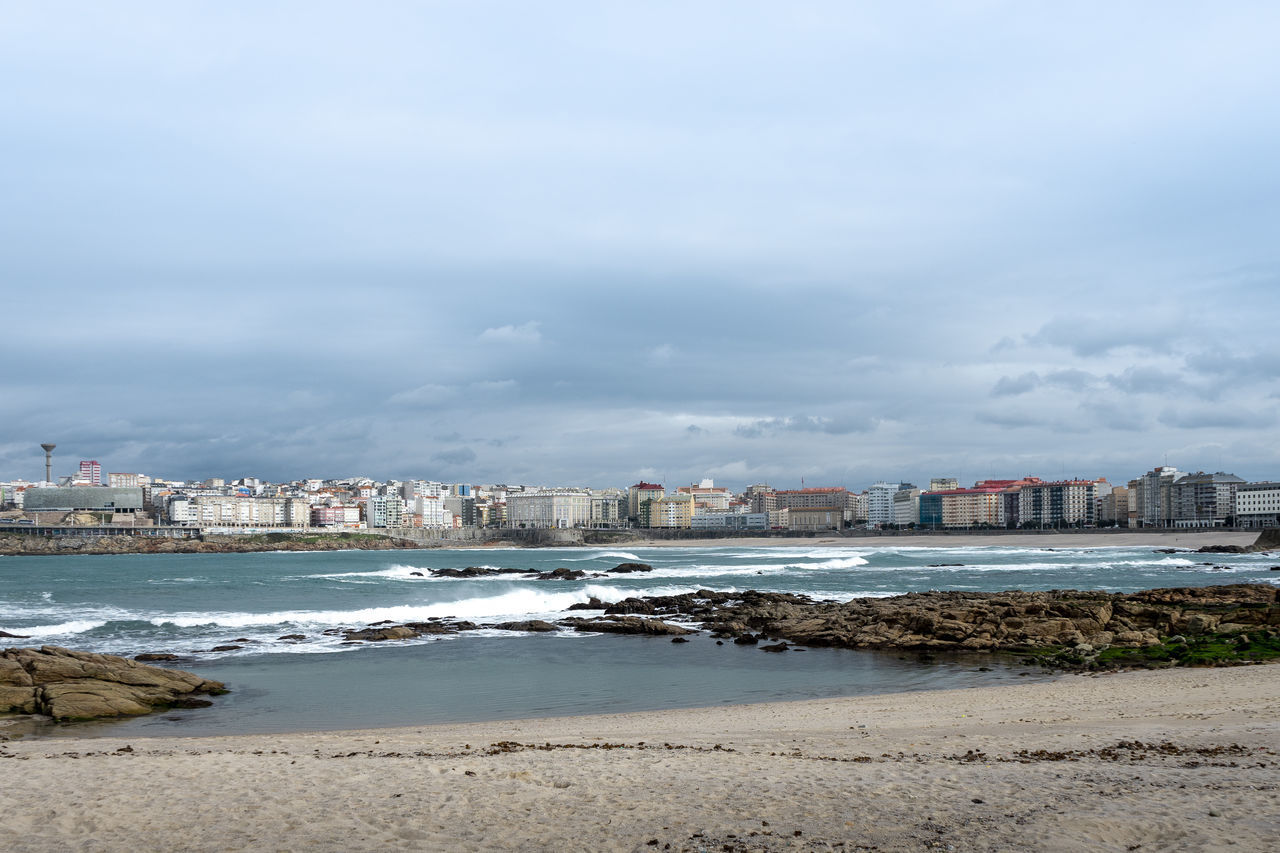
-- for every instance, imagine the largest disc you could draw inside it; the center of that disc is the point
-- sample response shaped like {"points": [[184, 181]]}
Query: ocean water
{"points": [[188, 603]]}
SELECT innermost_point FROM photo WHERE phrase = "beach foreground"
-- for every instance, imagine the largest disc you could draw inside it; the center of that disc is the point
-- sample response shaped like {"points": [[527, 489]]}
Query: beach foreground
{"points": [[1184, 759]]}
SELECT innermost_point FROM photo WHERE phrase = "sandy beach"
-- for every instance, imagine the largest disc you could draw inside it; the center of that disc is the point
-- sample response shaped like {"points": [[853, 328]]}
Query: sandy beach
{"points": [[1170, 760], [1048, 539]]}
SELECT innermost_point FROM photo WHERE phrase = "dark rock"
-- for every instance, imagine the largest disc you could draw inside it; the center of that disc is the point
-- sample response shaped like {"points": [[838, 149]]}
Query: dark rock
{"points": [[562, 574], [292, 637], [415, 574], [627, 568], [679, 640], [780, 647], [746, 640], [592, 603], [155, 656], [627, 625], [14, 636], [532, 625], [227, 648], [377, 635]]}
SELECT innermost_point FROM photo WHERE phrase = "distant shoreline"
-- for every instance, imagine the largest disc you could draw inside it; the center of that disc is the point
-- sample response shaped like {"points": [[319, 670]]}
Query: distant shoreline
{"points": [[1191, 539]]}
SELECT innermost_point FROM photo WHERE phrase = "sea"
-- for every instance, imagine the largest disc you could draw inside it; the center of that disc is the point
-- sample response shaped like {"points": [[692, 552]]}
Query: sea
{"points": [[187, 604]]}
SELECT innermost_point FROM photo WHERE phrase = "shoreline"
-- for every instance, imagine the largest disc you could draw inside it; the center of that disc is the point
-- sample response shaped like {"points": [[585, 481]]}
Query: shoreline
{"points": [[1189, 538], [1168, 759]]}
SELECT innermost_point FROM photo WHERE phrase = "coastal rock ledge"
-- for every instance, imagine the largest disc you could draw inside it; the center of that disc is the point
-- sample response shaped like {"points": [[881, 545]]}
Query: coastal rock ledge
{"points": [[69, 685]]}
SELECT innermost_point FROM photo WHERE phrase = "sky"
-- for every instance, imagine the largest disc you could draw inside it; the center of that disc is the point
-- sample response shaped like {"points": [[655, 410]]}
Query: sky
{"points": [[589, 243]]}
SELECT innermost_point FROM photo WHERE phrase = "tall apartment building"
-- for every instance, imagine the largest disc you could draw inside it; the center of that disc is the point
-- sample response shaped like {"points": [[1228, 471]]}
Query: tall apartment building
{"points": [[1153, 497], [943, 484], [1258, 505], [906, 506], [761, 497], [639, 497], [385, 511], [880, 503], [1204, 500], [1065, 502], [675, 511], [981, 506], [124, 481], [90, 472]]}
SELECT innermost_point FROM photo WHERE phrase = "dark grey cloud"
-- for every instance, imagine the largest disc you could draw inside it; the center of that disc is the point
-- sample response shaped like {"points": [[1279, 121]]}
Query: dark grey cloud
{"points": [[314, 241]]}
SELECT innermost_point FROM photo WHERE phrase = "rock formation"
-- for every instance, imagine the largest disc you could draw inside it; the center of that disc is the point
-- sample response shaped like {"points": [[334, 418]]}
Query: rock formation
{"points": [[69, 685]]}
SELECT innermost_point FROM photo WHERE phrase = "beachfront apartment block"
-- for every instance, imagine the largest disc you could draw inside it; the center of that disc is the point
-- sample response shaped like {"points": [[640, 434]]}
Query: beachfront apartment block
{"points": [[1258, 505], [672, 512], [238, 511]]}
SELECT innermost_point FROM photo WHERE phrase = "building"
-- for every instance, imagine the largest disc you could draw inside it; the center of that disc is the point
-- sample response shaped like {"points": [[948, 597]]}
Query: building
{"points": [[761, 497], [880, 503], [1258, 505], [82, 498], [90, 473], [385, 511], [981, 506], [638, 498], [238, 511], [335, 515], [815, 518], [943, 484], [1153, 497], [707, 497], [672, 512], [731, 521], [124, 481], [1204, 500], [906, 506], [1113, 507], [1065, 503], [549, 508]]}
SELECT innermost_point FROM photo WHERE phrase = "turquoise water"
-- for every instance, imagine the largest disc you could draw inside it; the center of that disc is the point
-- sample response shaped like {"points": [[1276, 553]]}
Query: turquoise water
{"points": [[189, 603]]}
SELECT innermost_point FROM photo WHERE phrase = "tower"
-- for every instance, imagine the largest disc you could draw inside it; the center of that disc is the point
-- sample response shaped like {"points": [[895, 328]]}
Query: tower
{"points": [[48, 462]]}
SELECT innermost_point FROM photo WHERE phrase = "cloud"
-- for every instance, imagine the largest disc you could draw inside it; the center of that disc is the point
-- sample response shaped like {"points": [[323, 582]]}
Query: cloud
{"points": [[493, 385], [1146, 380], [806, 423], [422, 395], [1216, 417], [525, 333], [1010, 385], [456, 457], [1089, 338]]}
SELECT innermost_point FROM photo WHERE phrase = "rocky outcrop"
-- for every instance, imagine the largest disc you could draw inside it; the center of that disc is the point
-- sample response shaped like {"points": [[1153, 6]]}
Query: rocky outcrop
{"points": [[70, 685], [537, 626], [977, 621], [478, 572], [627, 625], [1268, 540], [628, 568]]}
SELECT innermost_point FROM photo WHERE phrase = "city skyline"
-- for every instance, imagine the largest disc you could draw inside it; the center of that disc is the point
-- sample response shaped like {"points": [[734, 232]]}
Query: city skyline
{"points": [[601, 245]]}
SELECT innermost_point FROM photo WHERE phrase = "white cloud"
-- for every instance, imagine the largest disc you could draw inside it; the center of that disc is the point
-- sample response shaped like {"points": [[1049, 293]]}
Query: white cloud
{"points": [[525, 333]]}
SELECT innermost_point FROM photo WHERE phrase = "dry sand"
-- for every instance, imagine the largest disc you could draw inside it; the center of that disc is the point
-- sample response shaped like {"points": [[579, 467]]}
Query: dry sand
{"points": [[910, 771], [1048, 539]]}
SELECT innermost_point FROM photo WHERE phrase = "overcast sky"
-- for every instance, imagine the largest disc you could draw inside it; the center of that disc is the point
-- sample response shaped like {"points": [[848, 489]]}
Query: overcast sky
{"points": [[589, 243]]}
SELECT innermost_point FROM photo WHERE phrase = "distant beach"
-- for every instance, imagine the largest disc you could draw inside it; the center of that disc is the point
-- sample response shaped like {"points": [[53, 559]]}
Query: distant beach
{"points": [[1166, 760]]}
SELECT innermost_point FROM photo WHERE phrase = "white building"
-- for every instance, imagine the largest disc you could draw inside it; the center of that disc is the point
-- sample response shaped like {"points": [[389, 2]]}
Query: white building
{"points": [[239, 511], [906, 506], [1258, 505], [880, 503], [549, 508]]}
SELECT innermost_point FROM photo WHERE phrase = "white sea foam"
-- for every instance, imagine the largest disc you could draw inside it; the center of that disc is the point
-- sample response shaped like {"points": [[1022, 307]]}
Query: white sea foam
{"points": [[60, 629], [602, 555], [515, 603]]}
